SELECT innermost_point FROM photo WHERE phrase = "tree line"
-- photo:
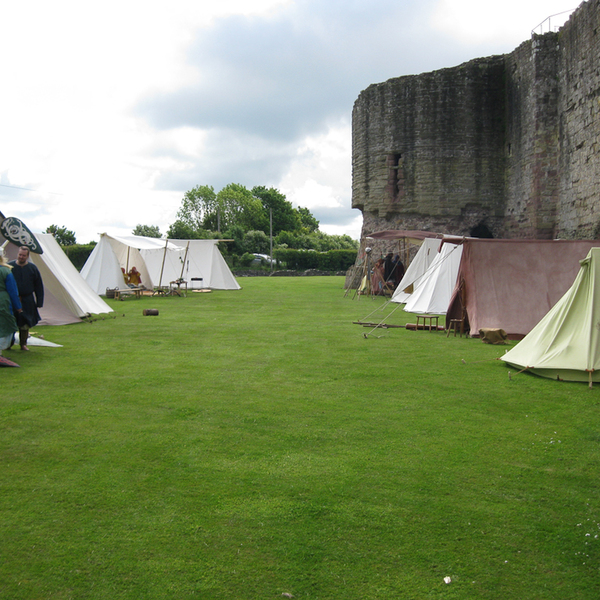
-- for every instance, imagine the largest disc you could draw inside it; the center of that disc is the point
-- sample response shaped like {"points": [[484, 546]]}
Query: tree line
{"points": [[246, 217]]}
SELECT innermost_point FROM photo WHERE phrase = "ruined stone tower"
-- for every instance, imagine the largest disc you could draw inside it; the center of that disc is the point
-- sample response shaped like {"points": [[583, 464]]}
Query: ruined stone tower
{"points": [[504, 146]]}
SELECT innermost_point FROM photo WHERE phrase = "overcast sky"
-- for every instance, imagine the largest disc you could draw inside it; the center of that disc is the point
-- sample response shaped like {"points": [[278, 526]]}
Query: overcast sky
{"points": [[109, 112]]}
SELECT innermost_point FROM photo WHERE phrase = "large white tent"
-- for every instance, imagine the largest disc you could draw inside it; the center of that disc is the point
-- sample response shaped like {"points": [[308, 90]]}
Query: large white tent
{"points": [[67, 296], [565, 344], [159, 262], [416, 270], [433, 293]]}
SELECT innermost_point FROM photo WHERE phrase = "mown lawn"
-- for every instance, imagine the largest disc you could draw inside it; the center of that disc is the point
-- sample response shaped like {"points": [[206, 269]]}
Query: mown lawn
{"points": [[253, 443]]}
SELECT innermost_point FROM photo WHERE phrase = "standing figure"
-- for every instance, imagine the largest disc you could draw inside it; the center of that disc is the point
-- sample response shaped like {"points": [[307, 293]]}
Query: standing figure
{"points": [[389, 269], [31, 293], [398, 270], [9, 304], [377, 280]]}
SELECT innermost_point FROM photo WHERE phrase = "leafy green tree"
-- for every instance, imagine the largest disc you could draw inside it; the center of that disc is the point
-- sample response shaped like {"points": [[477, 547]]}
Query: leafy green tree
{"points": [[147, 230], [235, 233], [285, 218], [238, 206], [294, 239], [323, 243], [307, 220], [197, 204], [64, 236], [256, 241], [180, 231]]}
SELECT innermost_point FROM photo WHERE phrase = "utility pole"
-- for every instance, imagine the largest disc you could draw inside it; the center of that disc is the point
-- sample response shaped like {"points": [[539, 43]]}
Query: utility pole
{"points": [[271, 236]]}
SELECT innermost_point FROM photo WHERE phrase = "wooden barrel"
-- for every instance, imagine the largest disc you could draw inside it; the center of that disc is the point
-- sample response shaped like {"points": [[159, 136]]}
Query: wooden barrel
{"points": [[150, 311]]}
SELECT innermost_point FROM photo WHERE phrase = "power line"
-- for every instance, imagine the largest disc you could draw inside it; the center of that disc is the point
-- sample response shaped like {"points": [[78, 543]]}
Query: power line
{"points": [[16, 187]]}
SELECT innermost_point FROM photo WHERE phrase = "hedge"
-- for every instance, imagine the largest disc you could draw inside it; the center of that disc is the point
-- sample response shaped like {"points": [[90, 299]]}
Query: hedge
{"points": [[78, 253], [332, 260]]}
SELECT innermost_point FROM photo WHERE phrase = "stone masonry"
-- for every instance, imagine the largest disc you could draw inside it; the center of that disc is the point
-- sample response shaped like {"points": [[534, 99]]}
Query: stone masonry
{"points": [[504, 146]]}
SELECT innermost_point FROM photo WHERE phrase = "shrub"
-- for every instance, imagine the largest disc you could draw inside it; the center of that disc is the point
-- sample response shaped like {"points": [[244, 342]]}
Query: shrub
{"points": [[79, 253]]}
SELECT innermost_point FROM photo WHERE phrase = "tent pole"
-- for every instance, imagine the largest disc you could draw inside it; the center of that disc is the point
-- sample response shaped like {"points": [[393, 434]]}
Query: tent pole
{"points": [[184, 259], [127, 263], [162, 267]]}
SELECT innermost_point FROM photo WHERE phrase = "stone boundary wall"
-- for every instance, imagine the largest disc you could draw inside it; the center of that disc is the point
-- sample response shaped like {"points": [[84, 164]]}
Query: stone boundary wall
{"points": [[285, 273]]}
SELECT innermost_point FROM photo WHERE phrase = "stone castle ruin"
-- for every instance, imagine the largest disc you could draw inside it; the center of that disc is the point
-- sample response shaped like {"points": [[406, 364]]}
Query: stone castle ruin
{"points": [[506, 146]]}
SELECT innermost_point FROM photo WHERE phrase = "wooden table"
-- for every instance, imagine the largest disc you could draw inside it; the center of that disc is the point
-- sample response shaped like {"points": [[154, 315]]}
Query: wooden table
{"points": [[428, 321]]}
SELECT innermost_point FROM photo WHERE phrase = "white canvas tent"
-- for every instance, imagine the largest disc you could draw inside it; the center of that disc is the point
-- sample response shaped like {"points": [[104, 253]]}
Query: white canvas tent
{"points": [[203, 261], [416, 270], [565, 344], [159, 262], [433, 292], [67, 296]]}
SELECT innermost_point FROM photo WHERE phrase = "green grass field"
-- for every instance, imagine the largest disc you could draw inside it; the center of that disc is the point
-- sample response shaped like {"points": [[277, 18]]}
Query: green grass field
{"points": [[254, 444]]}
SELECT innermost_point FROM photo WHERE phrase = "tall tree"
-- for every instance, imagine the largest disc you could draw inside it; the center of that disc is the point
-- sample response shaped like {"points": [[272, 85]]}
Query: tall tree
{"points": [[307, 220], [64, 236], [238, 206], [197, 205], [285, 217], [147, 230]]}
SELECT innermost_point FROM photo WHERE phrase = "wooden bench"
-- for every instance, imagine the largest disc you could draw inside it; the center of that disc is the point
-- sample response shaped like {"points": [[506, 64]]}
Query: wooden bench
{"points": [[122, 294]]}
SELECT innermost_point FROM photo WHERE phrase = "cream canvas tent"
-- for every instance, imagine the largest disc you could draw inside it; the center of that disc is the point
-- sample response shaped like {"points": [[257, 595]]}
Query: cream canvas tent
{"points": [[416, 270], [512, 284], [565, 344], [159, 262], [433, 292], [67, 296]]}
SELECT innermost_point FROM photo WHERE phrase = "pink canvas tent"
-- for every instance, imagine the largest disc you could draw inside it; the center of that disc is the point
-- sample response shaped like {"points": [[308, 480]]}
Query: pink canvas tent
{"points": [[512, 284]]}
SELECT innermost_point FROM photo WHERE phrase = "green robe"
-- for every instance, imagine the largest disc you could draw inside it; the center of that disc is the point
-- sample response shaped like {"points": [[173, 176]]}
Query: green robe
{"points": [[8, 323]]}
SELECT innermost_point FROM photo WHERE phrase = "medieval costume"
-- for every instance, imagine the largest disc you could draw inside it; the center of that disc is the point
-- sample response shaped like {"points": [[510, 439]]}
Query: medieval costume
{"points": [[135, 279], [9, 301], [31, 294]]}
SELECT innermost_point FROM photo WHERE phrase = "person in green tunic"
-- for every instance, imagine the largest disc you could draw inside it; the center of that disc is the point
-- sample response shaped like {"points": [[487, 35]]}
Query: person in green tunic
{"points": [[9, 300]]}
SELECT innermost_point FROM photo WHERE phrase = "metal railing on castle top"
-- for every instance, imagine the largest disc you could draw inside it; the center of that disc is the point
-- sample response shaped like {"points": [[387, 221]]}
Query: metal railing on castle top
{"points": [[552, 23]]}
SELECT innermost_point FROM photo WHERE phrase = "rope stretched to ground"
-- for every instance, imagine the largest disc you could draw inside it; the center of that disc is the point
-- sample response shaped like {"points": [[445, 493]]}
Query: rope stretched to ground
{"points": [[423, 275], [377, 309], [366, 335]]}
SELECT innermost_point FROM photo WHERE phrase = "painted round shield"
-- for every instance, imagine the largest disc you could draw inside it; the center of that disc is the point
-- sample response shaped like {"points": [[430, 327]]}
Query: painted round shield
{"points": [[17, 232]]}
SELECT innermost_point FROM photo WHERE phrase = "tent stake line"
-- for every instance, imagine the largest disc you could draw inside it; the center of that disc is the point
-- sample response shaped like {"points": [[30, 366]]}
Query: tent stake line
{"points": [[381, 325]]}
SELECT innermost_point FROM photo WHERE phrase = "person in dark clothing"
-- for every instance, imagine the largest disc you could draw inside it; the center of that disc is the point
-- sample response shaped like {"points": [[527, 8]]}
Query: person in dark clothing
{"points": [[31, 293], [398, 269], [389, 266]]}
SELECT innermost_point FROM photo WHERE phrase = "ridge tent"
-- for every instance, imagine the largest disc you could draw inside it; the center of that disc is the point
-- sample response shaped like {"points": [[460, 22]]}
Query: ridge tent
{"points": [[432, 294], [159, 262], [67, 296], [512, 284], [203, 259], [565, 344], [416, 270]]}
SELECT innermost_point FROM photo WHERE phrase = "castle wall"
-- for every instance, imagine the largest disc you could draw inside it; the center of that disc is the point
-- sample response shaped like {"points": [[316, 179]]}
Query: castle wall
{"points": [[532, 139], [579, 109], [506, 145], [428, 150]]}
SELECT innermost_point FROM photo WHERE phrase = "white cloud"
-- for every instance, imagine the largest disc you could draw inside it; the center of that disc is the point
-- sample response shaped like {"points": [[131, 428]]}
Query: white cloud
{"points": [[474, 22]]}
